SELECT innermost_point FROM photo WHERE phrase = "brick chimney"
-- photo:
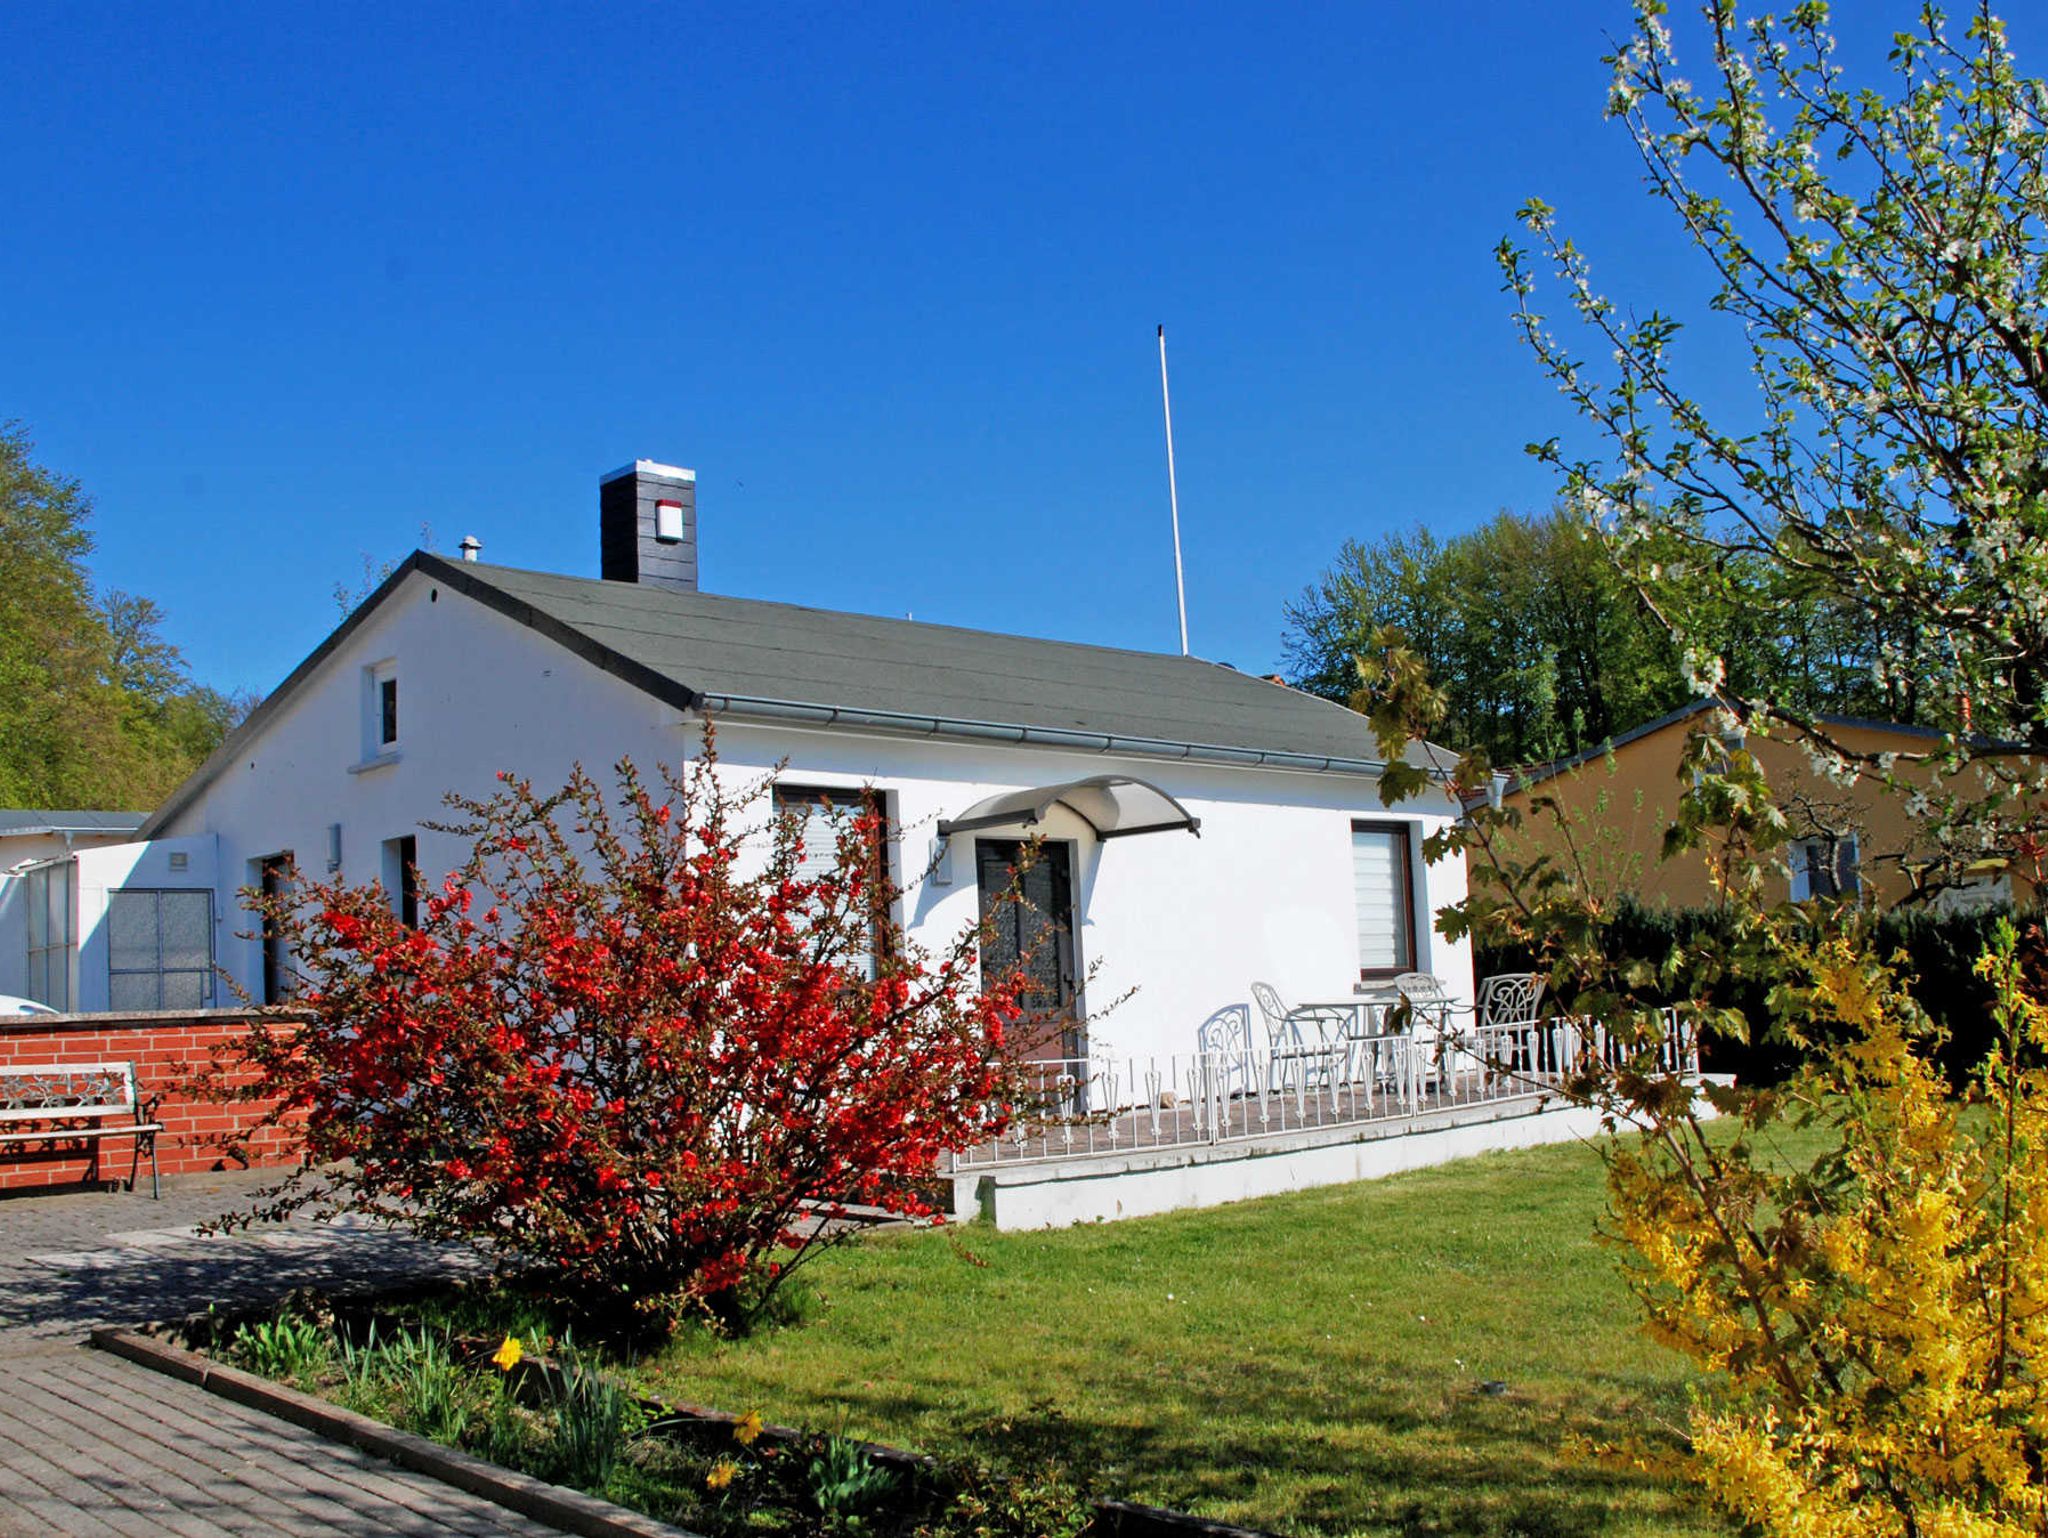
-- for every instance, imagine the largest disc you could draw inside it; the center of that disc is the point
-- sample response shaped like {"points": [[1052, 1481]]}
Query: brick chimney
{"points": [[647, 526]]}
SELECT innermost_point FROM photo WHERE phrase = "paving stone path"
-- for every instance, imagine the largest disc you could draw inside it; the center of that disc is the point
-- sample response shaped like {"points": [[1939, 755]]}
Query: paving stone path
{"points": [[92, 1445], [74, 1260]]}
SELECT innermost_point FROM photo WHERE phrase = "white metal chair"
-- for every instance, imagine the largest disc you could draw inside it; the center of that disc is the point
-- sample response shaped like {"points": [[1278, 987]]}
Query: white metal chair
{"points": [[1511, 999], [1270, 1006], [1289, 1050], [1225, 1039], [1378, 1022], [1411, 997], [1422, 987], [1422, 997]]}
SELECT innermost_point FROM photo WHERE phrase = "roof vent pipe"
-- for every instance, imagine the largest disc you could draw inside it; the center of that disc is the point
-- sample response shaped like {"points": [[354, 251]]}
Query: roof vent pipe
{"points": [[471, 547]]}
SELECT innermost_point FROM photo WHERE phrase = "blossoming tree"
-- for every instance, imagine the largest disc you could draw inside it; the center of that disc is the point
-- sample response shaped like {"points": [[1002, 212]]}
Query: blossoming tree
{"points": [[1882, 254], [637, 1045]]}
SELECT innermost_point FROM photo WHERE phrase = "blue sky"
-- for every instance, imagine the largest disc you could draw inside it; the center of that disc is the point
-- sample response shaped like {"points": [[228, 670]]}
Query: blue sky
{"points": [[281, 286]]}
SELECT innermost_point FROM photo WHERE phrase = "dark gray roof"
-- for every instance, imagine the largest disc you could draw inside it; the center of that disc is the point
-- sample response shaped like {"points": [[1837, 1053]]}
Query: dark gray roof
{"points": [[749, 657], [18, 822], [751, 649]]}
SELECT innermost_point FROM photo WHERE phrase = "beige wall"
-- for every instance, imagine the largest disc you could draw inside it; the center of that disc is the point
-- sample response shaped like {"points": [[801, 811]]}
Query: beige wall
{"points": [[1618, 807]]}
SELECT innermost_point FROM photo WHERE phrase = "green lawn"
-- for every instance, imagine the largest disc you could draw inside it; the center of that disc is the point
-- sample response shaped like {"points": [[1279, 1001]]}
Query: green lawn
{"points": [[1310, 1363]]}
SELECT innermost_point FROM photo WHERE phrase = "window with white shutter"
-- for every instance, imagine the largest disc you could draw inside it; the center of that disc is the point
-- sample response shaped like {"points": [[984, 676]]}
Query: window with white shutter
{"points": [[1385, 888], [823, 812]]}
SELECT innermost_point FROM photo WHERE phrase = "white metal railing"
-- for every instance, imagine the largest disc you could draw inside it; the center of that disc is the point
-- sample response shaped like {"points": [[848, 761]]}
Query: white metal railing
{"points": [[1071, 1108]]}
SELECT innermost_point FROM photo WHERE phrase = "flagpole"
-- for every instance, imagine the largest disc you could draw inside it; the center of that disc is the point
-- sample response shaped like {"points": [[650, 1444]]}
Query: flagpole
{"points": [[1180, 591]]}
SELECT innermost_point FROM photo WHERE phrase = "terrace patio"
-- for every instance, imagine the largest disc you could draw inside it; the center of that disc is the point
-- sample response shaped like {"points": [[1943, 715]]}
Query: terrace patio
{"points": [[1101, 1137]]}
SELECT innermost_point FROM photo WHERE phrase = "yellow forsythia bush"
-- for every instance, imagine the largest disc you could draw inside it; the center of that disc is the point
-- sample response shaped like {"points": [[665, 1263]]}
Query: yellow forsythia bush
{"points": [[1872, 1319]]}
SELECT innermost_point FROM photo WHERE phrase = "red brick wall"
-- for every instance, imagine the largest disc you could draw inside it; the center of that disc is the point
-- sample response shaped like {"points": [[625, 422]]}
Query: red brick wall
{"points": [[165, 1049]]}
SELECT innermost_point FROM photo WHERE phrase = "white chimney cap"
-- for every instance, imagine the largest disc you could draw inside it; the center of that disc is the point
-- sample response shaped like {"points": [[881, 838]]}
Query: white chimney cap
{"points": [[653, 468], [471, 547]]}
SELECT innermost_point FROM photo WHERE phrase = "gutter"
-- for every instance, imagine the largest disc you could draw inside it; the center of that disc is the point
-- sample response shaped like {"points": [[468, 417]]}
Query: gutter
{"points": [[755, 707]]}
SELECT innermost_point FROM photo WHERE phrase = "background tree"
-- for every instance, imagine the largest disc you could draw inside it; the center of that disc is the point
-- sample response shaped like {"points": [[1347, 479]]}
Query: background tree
{"points": [[1545, 647], [96, 709], [1540, 646], [51, 643]]}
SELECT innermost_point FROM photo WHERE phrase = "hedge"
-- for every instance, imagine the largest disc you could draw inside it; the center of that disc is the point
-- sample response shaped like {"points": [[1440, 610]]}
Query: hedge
{"points": [[1940, 951]]}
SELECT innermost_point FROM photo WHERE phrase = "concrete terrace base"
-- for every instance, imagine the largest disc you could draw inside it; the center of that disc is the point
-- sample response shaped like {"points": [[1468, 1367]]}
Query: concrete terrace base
{"points": [[1099, 1188]]}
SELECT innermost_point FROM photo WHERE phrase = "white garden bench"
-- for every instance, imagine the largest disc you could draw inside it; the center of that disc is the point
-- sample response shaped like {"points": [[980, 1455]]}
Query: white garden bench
{"points": [[78, 1102]]}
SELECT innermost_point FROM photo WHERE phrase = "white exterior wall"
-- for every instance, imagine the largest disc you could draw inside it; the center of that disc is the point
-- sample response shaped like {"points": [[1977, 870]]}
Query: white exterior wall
{"points": [[142, 865], [1264, 893]]}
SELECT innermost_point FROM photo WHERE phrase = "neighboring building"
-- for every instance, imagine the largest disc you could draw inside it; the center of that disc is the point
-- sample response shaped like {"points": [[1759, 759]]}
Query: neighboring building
{"points": [[38, 903], [1268, 855], [1859, 838]]}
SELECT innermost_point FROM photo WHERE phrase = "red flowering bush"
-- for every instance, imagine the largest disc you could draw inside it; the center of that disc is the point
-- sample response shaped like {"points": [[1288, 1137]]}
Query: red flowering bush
{"points": [[635, 1044]]}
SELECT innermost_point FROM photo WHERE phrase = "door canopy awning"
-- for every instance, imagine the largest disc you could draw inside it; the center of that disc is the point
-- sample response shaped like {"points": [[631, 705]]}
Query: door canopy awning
{"points": [[1114, 805]]}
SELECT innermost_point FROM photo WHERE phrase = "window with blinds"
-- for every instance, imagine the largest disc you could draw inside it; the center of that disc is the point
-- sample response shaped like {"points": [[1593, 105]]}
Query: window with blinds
{"points": [[159, 949], [822, 812], [1385, 888]]}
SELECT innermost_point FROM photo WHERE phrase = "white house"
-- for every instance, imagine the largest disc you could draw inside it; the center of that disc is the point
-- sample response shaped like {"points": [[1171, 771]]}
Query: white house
{"points": [[1266, 853]]}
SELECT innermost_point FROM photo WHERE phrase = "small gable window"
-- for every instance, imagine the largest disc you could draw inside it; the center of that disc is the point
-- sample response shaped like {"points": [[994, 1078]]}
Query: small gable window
{"points": [[381, 720]]}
